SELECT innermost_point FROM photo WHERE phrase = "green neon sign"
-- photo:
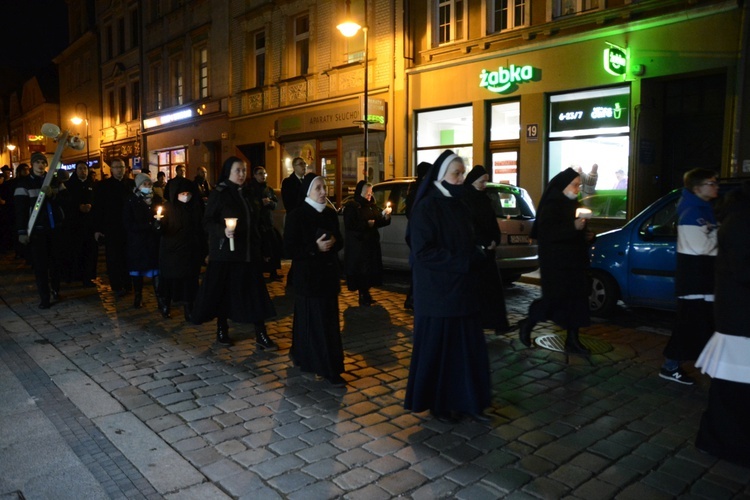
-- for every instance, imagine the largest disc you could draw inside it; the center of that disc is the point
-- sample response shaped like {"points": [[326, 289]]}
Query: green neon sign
{"points": [[506, 80], [615, 60]]}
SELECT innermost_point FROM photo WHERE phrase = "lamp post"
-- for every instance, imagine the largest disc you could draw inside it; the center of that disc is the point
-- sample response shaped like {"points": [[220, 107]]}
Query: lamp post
{"points": [[77, 120], [350, 28], [11, 149]]}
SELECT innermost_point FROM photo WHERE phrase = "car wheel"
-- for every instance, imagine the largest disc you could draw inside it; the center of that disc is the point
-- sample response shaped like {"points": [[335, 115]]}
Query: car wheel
{"points": [[604, 294]]}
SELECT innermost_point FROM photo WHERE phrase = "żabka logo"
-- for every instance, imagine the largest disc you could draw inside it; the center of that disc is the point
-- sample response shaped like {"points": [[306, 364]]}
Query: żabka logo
{"points": [[506, 79]]}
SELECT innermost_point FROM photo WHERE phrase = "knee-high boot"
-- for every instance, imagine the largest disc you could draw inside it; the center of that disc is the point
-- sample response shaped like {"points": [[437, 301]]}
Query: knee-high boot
{"points": [[573, 344], [137, 291], [163, 300], [262, 340]]}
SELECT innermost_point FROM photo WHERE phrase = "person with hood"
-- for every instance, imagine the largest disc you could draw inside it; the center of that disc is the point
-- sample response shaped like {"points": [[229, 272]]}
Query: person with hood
{"points": [[449, 373], [183, 246], [142, 249], [694, 273], [724, 430], [266, 201], [363, 260], [233, 286], [491, 296], [312, 239], [563, 261]]}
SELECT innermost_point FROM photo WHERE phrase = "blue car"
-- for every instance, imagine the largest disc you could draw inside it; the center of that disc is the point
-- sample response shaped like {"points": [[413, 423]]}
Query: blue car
{"points": [[636, 263]]}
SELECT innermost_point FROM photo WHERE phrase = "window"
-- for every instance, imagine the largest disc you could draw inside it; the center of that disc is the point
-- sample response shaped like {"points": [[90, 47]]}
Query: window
{"points": [[121, 35], [122, 112], [508, 14], [450, 21], [202, 72], [134, 28], [157, 90], [569, 7], [135, 101], [111, 108], [302, 44], [108, 41], [259, 66], [450, 128], [178, 83]]}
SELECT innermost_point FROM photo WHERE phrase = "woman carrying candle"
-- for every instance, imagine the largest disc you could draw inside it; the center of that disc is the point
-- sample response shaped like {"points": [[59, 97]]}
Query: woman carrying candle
{"points": [[233, 287], [363, 259], [563, 261]]}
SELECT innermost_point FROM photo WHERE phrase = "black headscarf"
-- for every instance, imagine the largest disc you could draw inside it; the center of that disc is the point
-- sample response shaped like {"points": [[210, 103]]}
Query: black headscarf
{"points": [[476, 172], [555, 188], [358, 196], [181, 185], [226, 168]]}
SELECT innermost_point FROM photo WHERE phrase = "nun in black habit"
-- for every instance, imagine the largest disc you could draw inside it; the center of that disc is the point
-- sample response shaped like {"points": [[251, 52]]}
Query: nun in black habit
{"points": [[449, 372], [312, 239], [491, 296], [233, 287], [563, 262]]}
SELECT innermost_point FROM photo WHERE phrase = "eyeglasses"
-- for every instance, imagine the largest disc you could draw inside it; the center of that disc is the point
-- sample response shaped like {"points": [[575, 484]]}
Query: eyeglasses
{"points": [[710, 183]]}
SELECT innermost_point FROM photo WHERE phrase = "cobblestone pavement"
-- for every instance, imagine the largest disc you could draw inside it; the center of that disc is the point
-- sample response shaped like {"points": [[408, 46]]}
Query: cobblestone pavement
{"points": [[104, 401]]}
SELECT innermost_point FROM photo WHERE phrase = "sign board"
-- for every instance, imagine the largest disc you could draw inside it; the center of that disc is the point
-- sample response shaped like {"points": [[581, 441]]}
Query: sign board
{"points": [[532, 132], [615, 60], [506, 80], [611, 111]]}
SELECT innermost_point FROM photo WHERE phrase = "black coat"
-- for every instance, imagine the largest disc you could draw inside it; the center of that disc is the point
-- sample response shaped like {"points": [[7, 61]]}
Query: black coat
{"points": [[291, 192], [229, 200], [444, 257], [362, 253], [110, 196], [142, 234], [183, 246], [80, 193], [563, 250], [315, 273], [483, 217]]}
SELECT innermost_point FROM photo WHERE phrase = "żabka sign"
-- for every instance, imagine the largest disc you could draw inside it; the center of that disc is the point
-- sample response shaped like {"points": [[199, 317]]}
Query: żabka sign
{"points": [[506, 80]]}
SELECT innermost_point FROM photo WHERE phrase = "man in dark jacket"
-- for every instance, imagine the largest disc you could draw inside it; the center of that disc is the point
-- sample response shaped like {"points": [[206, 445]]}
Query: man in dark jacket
{"points": [[291, 187], [110, 196], [45, 237], [82, 249]]}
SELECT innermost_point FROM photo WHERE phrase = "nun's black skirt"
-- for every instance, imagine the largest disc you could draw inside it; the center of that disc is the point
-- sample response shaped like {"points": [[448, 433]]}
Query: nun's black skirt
{"points": [[450, 369], [316, 336], [725, 427], [233, 290], [570, 313]]}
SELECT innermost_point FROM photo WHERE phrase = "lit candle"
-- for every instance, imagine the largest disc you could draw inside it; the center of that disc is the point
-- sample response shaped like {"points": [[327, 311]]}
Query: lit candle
{"points": [[158, 215], [583, 213], [231, 223]]}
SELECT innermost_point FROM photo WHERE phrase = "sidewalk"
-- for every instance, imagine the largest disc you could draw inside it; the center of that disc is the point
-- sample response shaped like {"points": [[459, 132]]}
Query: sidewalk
{"points": [[104, 401]]}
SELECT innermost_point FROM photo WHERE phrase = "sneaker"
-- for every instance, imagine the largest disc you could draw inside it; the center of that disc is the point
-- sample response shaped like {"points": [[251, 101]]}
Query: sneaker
{"points": [[676, 375]]}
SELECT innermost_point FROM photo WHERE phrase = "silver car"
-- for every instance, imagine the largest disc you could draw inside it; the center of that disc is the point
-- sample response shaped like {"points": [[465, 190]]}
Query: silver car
{"points": [[516, 254]]}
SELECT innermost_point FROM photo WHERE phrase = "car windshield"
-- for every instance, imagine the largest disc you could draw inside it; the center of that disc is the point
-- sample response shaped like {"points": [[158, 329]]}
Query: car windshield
{"points": [[508, 203]]}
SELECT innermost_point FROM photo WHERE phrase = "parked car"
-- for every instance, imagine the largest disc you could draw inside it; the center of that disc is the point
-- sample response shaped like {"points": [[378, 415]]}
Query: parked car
{"points": [[636, 263], [515, 212], [608, 209]]}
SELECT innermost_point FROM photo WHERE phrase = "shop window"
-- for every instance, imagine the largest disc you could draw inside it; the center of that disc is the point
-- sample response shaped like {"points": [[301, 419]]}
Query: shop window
{"points": [[561, 8], [508, 14], [449, 19], [167, 160], [450, 128], [590, 132]]}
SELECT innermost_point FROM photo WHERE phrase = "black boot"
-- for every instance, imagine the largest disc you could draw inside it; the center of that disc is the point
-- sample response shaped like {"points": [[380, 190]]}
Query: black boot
{"points": [[188, 311], [137, 291], [524, 331], [369, 297], [222, 332], [573, 344], [163, 302], [363, 300], [261, 338]]}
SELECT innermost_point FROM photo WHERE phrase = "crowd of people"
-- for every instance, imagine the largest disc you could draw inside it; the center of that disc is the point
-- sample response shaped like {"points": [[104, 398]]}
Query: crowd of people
{"points": [[168, 231]]}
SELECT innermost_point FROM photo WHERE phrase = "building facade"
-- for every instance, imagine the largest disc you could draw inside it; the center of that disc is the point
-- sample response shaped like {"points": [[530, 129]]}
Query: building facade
{"points": [[649, 88]]}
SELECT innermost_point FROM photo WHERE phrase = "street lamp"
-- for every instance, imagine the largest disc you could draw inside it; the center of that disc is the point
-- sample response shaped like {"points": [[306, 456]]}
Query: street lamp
{"points": [[350, 28], [77, 120], [11, 148]]}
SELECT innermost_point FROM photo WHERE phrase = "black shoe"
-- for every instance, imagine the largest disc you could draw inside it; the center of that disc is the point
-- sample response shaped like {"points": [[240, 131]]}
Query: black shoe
{"points": [[574, 346], [44, 305], [506, 329], [164, 308], [369, 297], [137, 300], [524, 332], [363, 300], [54, 295], [188, 310], [222, 336], [337, 381], [263, 341], [446, 418], [481, 418]]}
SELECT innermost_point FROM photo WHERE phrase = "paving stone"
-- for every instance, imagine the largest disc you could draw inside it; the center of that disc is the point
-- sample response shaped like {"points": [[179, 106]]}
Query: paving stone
{"points": [[275, 466], [356, 478], [369, 492], [216, 471], [320, 490], [441, 488], [290, 481], [325, 468]]}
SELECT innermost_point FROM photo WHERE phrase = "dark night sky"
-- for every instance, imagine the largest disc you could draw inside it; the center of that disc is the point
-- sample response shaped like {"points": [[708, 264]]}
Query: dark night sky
{"points": [[32, 33]]}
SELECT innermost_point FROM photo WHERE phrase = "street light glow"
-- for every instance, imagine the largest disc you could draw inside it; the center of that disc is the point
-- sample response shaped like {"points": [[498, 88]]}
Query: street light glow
{"points": [[348, 28]]}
